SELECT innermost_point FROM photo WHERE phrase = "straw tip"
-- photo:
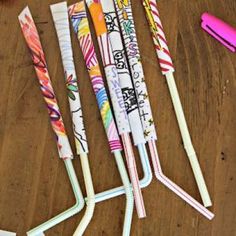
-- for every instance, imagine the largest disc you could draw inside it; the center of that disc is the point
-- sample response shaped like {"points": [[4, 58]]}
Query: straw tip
{"points": [[58, 6], [25, 11]]}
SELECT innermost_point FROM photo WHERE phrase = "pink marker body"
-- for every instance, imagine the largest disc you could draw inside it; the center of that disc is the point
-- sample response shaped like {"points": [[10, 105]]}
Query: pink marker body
{"points": [[220, 30]]}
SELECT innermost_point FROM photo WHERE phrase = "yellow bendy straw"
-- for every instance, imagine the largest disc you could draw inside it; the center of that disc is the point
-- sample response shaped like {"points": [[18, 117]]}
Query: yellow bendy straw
{"points": [[61, 21], [32, 38]]}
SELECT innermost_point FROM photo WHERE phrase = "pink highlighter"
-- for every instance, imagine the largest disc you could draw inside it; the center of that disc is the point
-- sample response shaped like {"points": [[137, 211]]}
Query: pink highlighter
{"points": [[220, 30]]}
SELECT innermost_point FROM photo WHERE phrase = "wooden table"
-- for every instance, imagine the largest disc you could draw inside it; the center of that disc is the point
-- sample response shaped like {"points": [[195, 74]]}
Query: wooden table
{"points": [[33, 181]]}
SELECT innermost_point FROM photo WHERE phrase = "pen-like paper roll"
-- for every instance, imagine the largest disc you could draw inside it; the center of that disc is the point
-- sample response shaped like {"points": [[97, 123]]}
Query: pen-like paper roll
{"points": [[32, 38], [129, 96], [130, 39], [81, 27], [158, 36], [60, 17], [109, 67]]}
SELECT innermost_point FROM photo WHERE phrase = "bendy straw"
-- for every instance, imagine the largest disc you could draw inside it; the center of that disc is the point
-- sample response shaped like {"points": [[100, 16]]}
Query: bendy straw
{"points": [[61, 21], [128, 31], [32, 38], [81, 27], [95, 9], [167, 69]]}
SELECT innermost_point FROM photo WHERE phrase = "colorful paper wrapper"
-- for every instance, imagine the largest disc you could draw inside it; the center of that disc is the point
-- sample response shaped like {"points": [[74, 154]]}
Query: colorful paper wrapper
{"points": [[109, 67], [158, 36], [32, 38], [80, 24], [60, 17], [129, 96], [125, 17]]}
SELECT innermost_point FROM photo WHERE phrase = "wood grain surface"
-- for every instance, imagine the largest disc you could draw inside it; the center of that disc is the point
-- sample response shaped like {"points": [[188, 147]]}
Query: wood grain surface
{"points": [[33, 182]]}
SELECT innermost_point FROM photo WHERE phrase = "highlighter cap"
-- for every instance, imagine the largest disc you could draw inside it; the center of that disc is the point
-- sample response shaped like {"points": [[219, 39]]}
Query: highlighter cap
{"points": [[220, 30]]}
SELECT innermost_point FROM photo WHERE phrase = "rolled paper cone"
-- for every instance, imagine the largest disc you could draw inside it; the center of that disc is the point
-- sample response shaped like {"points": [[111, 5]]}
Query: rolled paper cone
{"points": [[125, 17], [61, 21], [32, 38], [60, 17], [129, 96], [104, 43], [167, 69]]}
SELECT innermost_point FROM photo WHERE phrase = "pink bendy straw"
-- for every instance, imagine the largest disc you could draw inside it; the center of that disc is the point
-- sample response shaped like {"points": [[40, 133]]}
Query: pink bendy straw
{"points": [[220, 30]]}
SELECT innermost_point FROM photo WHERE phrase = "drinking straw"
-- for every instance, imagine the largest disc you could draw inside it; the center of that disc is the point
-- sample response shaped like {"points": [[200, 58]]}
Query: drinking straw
{"points": [[32, 38], [167, 69], [95, 9], [81, 27], [144, 182], [61, 21], [125, 17]]}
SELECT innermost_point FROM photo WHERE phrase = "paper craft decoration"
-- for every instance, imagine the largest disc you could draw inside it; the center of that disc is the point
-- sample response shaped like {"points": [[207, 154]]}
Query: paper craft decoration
{"points": [[125, 17], [81, 27], [61, 21], [32, 38], [95, 9], [167, 69]]}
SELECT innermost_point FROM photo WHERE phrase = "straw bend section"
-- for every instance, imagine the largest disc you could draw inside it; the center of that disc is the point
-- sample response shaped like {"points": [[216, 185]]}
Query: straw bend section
{"points": [[61, 21], [167, 69], [32, 38]]}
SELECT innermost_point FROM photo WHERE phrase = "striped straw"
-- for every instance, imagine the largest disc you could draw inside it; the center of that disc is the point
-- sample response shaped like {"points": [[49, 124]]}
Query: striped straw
{"points": [[167, 69], [61, 21], [125, 17], [32, 38], [81, 27], [95, 9]]}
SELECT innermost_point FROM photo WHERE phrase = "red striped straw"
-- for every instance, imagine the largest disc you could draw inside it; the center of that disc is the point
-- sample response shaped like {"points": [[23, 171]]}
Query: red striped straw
{"points": [[167, 69]]}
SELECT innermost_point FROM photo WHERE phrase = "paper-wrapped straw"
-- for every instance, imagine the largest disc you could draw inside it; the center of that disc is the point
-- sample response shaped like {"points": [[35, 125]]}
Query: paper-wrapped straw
{"points": [[95, 9], [129, 96], [167, 69], [61, 21], [128, 31], [32, 38], [147, 178], [81, 27]]}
